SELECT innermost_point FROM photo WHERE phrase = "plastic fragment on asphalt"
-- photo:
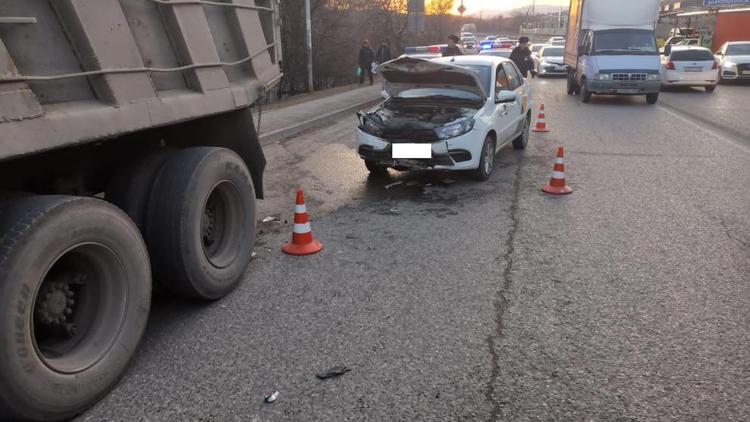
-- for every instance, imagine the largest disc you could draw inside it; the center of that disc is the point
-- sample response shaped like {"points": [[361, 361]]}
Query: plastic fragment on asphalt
{"points": [[394, 184], [333, 372], [393, 211], [269, 219], [271, 397], [253, 255]]}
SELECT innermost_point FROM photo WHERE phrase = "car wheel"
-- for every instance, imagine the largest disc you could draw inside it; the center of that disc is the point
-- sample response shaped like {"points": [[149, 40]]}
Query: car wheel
{"points": [[486, 160], [201, 222], [75, 292], [375, 168], [711, 88], [585, 93], [523, 139], [652, 98]]}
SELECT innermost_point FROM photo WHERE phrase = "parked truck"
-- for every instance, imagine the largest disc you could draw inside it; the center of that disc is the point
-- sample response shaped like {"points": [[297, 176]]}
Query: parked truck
{"points": [[611, 48], [127, 148]]}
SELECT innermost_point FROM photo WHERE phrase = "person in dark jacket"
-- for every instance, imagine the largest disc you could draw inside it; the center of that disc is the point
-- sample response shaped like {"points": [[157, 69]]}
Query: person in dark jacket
{"points": [[366, 57], [384, 53], [521, 56], [453, 49]]}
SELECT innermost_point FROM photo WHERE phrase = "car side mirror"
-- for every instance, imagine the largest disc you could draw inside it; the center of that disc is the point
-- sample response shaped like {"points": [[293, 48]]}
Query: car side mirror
{"points": [[506, 97]]}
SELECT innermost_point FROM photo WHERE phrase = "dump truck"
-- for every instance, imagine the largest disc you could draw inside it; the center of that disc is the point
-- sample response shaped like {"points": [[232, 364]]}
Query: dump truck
{"points": [[128, 153], [611, 49]]}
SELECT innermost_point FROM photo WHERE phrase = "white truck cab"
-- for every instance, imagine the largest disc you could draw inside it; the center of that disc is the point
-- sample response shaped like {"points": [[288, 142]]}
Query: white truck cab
{"points": [[612, 51]]}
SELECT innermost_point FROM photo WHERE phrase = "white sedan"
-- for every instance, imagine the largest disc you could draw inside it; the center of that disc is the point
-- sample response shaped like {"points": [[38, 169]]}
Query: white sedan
{"points": [[690, 66], [452, 113]]}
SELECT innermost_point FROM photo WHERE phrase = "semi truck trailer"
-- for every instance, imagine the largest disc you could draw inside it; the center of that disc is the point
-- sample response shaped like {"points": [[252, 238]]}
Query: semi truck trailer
{"points": [[128, 158], [611, 48]]}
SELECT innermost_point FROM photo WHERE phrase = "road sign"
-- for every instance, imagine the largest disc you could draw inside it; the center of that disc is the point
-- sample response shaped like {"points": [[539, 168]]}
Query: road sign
{"points": [[461, 9]]}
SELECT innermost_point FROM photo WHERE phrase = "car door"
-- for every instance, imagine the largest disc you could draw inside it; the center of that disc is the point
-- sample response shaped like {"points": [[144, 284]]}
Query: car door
{"points": [[517, 108], [503, 116]]}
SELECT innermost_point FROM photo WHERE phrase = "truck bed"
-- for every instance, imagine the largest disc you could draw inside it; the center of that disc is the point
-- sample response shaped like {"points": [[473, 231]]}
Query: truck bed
{"points": [[77, 71]]}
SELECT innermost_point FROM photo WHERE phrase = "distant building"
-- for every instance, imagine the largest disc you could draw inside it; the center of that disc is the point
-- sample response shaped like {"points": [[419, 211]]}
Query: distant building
{"points": [[714, 24]]}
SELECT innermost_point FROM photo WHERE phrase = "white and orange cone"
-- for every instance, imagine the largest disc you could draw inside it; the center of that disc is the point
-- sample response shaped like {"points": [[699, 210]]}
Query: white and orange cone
{"points": [[302, 242], [541, 125], [557, 185]]}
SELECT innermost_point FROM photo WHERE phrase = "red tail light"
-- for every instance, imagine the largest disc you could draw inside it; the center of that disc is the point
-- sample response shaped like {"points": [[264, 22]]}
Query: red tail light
{"points": [[434, 49], [715, 65], [670, 65]]}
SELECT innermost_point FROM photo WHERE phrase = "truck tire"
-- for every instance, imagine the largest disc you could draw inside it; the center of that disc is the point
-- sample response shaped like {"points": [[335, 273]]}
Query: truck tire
{"points": [[585, 93], [75, 291], [201, 222], [652, 98], [130, 187], [573, 88]]}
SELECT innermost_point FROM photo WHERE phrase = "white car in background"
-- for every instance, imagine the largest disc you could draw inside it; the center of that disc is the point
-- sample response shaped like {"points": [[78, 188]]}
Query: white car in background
{"points": [[497, 52], [687, 65], [452, 113], [734, 60], [550, 61]]}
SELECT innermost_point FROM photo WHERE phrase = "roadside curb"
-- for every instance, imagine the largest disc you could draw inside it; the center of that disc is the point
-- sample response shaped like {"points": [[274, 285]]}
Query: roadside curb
{"points": [[297, 128]]}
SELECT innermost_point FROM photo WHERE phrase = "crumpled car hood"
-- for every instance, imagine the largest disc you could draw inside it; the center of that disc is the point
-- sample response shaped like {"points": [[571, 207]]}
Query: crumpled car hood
{"points": [[409, 73]]}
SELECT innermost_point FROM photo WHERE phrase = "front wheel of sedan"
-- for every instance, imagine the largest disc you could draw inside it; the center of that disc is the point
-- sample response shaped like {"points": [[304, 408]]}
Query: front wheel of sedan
{"points": [[486, 160], [375, 168], [523, 139]]}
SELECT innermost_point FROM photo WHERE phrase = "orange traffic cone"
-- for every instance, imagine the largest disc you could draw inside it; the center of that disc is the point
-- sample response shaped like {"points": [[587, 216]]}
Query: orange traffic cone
{"points": [[541, 125], [557, 183], [302, 239]]}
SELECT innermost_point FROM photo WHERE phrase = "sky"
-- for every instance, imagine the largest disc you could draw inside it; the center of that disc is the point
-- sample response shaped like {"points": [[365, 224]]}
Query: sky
{"points": [[473, 6]]}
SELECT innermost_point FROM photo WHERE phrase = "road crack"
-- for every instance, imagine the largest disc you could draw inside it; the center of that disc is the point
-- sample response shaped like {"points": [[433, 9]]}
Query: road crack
{"points": [[501, 299]]}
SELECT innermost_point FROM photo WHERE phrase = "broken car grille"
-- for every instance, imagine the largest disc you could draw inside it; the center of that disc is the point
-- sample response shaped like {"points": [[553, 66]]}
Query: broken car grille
{"points": [[410, 135]]}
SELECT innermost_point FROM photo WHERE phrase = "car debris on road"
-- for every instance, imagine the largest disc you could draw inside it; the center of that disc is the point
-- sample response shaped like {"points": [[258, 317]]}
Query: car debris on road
{"points": [[271, 397], [333, 372]]}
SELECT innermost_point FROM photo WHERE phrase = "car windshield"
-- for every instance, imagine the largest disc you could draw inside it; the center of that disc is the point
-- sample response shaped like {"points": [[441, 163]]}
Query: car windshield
{"points": [[483, 71], [436, 93], [553, 52], [738, 50], [625, 42], [692, 56]]}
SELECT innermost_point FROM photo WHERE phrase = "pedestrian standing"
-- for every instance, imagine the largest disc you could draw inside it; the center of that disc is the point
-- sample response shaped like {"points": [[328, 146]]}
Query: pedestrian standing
{"points": [[453, 49], [384, 53], [521, 56], [366, 57]]}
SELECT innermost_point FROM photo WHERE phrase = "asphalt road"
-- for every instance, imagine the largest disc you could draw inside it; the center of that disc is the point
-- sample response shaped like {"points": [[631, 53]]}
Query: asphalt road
{"points": [[627, 300]]}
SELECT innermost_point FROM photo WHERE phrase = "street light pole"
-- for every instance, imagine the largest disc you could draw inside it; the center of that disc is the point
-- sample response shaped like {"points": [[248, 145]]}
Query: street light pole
{"points": [[308, 46]]}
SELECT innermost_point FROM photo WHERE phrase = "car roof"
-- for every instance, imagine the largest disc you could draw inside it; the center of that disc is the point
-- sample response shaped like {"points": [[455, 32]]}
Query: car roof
{"points": [[472, 60]]}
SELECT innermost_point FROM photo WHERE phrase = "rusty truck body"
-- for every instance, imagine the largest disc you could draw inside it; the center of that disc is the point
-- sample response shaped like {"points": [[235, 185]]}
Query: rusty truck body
{"points": [[128, 156]]}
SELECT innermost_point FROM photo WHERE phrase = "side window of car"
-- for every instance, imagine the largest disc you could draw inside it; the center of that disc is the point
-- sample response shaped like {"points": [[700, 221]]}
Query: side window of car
{"points": [[501, 81], [514, 80]]}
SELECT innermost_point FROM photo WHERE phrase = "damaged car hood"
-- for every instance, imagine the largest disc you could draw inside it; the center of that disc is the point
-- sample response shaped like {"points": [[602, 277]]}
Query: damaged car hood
{"points": [[409, 73]]}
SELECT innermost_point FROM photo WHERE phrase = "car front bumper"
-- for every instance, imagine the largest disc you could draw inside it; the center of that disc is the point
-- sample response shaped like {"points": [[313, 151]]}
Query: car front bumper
{"points": [[459, 153], [551, 69], [624, 87], [734, 72]]}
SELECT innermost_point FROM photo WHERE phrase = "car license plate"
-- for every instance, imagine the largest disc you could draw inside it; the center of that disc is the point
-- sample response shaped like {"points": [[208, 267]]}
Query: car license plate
{"points": [[693, 69], [412, 151], [627, 91]]}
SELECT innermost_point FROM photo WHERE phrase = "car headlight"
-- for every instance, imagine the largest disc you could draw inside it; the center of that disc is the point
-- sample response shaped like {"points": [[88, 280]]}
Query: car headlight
{"points": [[653, 77], [603, 76], [368, 126], [729, 64], [454, 129]]}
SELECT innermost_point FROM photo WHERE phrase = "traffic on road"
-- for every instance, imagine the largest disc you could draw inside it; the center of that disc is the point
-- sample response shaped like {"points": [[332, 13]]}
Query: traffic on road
{"points": [[544, 225]]}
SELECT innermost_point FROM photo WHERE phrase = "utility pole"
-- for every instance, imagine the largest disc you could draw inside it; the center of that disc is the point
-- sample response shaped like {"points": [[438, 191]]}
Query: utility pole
{"points": [[308, 46]]}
